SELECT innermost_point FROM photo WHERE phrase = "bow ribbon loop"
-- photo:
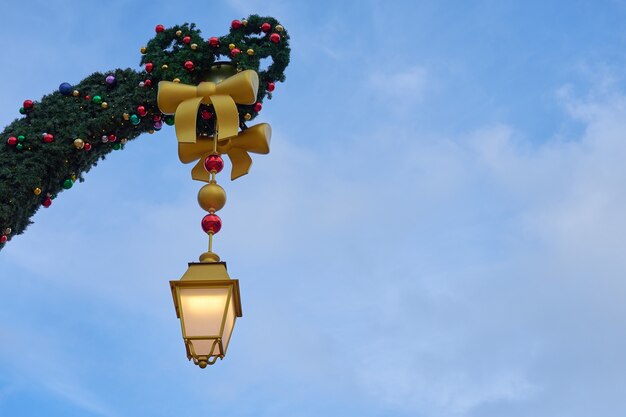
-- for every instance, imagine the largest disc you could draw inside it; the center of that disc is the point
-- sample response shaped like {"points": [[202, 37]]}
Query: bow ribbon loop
{"points": [[183, 100], [256, 139]]}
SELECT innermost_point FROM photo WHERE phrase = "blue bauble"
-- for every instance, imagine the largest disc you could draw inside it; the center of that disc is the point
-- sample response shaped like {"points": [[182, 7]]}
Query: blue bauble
{"points": [[65, 89]]}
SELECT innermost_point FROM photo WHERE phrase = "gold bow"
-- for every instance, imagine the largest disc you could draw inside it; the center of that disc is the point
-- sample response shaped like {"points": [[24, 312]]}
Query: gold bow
{"points": [[256, 139], [183, 100]]}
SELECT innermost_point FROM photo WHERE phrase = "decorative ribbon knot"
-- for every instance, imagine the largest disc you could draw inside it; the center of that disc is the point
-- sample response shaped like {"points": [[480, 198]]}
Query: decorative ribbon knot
{"points": [[183, 101], [255, 139]]}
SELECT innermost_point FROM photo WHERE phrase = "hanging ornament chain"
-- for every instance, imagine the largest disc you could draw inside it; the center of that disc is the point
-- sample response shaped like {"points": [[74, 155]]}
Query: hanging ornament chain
{"points": [[212, 198]]}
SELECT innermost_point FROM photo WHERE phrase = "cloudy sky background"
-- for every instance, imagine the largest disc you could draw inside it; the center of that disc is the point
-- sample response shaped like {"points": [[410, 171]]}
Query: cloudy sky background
{"points": [[438, 231]]}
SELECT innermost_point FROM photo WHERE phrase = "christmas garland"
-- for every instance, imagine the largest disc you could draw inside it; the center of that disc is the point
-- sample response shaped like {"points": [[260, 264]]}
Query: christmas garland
{"points": [[64, 135]]}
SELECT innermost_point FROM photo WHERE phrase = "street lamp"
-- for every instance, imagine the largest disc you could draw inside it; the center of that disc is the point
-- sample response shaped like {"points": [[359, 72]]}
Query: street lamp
{"points": [[207, 302]]}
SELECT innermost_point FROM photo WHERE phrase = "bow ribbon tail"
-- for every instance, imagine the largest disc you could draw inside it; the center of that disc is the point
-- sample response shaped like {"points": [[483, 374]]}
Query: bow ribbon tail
{"points": [[185, 120], [226, 114], [241, 162], [199, 173]]}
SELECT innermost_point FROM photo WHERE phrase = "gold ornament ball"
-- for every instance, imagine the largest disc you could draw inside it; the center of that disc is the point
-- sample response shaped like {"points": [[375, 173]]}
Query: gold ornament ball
{"points": [[143, 50], [176, 80], [247, 116], [75, 93], [37, 191], [74, 177], [126, 116], [244, 22], [104, 105], [79, 143], [164, 67], [279, 28], [179, 32], [250, 51], [231, 46], [212, 197], [7, 231], [194, 46], [123, 141]]}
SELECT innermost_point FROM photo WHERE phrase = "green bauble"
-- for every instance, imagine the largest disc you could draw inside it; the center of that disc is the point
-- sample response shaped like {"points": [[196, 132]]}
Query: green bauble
{"points": [[169, 120], [134, 119], [117, 146], [22, 111], [67, 184], [19, 146], [20, 138], [97, 99]]}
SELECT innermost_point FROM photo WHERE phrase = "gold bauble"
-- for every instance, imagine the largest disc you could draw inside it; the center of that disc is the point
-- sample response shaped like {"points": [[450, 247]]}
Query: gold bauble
{"points": [[74, 177], [212, 197], [123, 141], [37, 191], [176, 80], [194, 46], [231, 46], [143, 50], [79, 143], [247, 116], [104, 105], [151, 131], [279, 28], [164, 67], [244, 22], [126, 116], [250, 51], [179, 32], [75, 93], [7, 231]]}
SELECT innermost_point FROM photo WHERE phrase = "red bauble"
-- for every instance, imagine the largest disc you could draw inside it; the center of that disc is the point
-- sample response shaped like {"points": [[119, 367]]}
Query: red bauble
{"points": [[271, 86], [159, 28], [257, 107], [87, 146], [206, 115], [189, 65], [156, 118], [187, 39], [213, 163], [214, 42], [141, 110], [3, 239], [12, 141], [87, 97], [48, 138], [266, 27], [28, 105], [112, 138], [234, 52], [275, 37], [211, 223], [147, 83], [149, 66], [235, 24], [47, 202]]}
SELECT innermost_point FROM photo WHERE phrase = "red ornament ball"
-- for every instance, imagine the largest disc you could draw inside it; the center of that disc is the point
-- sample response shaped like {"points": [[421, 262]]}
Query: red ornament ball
{"points": [[214, 163], [235, 24], [156, 118], [28, 105], [159, 28], [48, 138], [112, 138], [87, 146], [141, 110], [234, 52], [214, 42], [187, 39], [149, 66], [271, 86], [12, 141], [87, 97], [211, 223], [266, 27], [47, 202], [206, 115], [275, 37], [189, 65], [3, 239], [147, 83], [257, 107]]}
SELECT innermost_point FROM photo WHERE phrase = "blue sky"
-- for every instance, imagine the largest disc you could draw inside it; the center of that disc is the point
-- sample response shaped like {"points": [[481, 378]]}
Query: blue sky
{"points": [[438, 230]]}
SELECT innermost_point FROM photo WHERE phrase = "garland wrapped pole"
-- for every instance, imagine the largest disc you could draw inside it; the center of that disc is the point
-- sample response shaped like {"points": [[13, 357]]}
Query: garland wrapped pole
{"points": [[185, 84]]}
